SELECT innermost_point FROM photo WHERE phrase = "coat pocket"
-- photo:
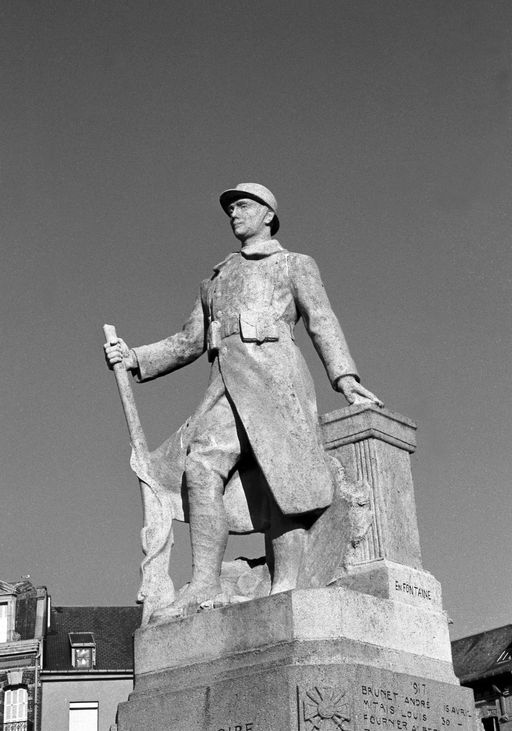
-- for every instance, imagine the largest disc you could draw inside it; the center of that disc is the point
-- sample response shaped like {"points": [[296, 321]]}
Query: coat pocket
{"points": [[258, 326]]}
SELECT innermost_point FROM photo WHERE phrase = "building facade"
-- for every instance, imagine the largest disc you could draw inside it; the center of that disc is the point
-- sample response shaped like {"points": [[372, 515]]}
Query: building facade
{"points": [[88, 666], [23, 623], [62, 668], [483, 662]]}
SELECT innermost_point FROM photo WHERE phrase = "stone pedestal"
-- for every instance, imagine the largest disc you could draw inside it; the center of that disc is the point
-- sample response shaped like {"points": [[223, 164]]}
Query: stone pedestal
{"points": [[370, 652], [325, 659], [376, 444]]}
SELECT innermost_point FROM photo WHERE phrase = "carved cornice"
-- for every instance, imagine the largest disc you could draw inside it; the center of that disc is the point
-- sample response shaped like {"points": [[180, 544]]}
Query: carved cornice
{"points": [[364, 421]]}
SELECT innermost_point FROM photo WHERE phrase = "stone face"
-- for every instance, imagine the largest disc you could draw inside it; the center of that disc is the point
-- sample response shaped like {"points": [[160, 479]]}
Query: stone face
{"points": [[363, 641], [315, 615], [259, 411], [245, 579], [394, 581], [349, 697], [331, 540], [268, 661], [370, 527], [290, 661], [246, 313], [369, 652], [365, 421], [369, 700], [374, 444]]}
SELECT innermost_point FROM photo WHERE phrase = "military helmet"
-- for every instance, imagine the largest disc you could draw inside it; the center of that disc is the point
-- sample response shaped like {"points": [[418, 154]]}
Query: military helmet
{"points": [[256, 192]]}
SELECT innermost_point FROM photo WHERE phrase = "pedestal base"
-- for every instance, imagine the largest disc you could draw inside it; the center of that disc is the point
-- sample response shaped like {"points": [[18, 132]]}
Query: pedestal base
{"points": [[323, 659], [394, 581]]}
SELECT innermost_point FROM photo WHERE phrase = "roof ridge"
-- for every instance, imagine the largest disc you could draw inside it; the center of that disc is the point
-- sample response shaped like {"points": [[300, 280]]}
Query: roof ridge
{"points": [[484, 632]]}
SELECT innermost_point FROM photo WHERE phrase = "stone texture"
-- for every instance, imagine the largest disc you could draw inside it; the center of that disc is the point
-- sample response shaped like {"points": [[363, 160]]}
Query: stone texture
{"points": [[245, 579], [370, 650], [390, 580], [253, 301], [259, 409], [374, 489], [331, 540], [282, 661], [297, 616], [375, 445], [349, 697]]}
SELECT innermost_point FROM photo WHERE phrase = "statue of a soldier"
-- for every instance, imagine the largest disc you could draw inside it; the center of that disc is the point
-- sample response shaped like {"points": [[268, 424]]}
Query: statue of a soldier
{"points": [[260, 403]]}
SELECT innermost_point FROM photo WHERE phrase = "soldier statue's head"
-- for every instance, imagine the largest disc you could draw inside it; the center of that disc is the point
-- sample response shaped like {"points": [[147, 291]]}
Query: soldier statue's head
{"points": [[248, 219]]}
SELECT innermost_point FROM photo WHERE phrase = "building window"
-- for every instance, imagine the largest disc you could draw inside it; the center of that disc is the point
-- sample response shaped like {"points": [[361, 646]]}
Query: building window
{"points": [[490, 723], [506, 656], [83, 650], [83, 716], [4, 621], [7, 606], [15, 709]]}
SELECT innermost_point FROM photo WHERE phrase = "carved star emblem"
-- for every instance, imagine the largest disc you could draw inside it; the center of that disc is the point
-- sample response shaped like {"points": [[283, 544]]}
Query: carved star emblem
{"points": [[325, 709]]}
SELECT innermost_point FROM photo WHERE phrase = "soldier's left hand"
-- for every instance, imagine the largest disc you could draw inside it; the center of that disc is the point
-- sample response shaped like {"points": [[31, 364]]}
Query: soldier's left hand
{"points": [[355, 393]]}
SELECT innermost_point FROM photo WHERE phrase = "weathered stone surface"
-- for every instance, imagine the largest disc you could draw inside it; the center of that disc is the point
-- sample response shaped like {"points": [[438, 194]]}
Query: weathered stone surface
{"points": [[301, 615], [245, 579], [333, 537], [365, 421], [375, 445], [259, 409], [351, 697], [369, 650], [281, 662], [394, 581], [372, 649]]}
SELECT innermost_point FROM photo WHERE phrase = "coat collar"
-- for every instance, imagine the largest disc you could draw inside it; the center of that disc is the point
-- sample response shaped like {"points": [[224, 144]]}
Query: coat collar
{"points": [[261, 249], [222, 263], [256, 251]]}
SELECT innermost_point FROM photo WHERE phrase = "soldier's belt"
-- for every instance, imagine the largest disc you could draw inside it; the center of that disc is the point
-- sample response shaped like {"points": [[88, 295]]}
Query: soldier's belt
{"points": [[254, 327]]}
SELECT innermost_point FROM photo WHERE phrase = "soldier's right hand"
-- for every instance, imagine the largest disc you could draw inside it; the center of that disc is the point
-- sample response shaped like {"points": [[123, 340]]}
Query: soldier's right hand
{"points": [[119, 352]]}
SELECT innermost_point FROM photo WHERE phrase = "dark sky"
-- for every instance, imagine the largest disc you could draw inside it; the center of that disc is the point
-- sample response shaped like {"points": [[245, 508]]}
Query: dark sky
{"points": [[384, 130]]}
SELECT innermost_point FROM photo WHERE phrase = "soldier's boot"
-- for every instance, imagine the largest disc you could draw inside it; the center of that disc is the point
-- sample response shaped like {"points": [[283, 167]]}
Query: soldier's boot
{"points": [[208, 538], [287, 538]]}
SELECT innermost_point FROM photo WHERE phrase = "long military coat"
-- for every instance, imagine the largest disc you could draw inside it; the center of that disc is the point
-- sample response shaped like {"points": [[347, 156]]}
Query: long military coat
{"points": [[254, 300]]}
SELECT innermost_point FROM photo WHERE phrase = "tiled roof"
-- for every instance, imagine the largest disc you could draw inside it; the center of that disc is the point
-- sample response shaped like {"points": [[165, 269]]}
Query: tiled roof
{"points": [[477, 656], [112, 627]]}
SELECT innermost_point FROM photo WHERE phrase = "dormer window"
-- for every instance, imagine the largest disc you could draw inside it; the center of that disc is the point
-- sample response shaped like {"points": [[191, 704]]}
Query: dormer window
{"points": [[83, 650], [506, 656], [4, 621], [6, 618]]}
